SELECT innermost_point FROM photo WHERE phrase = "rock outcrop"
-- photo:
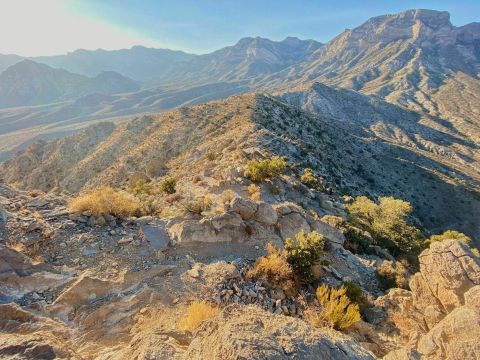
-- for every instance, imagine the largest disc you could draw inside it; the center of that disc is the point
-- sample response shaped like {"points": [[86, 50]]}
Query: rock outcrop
{"points": [[440, 317], [247, 332]]}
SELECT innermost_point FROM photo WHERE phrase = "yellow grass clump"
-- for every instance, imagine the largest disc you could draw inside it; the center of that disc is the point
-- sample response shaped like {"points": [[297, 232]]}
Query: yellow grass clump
{"points": [[274, 269], [197, 312], [106, 201], [337, 309]]}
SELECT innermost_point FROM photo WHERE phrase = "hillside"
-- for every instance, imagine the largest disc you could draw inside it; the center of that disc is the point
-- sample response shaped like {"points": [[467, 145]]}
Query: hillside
{"points": [[31, 83], [358, 154]]}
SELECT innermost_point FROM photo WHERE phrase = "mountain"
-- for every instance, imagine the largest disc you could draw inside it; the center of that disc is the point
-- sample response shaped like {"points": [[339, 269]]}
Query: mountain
{"points": [[359, 144], [107, 83], [31, 83], [402, 57], [139, 63], [249, 59], [8, 60]]}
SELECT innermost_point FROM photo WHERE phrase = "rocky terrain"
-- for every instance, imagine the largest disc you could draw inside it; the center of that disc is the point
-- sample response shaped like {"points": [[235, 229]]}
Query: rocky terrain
{"points": [[363, 153], [79, 286], [130, 233]]}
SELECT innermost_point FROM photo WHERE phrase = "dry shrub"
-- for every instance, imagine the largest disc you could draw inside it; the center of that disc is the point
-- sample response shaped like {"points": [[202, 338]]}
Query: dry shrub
{"points": [[227, 196], [32, 250], [197, 312], [336, 308], [254, 191], [106, 201], [274, 269], [196, 204]]}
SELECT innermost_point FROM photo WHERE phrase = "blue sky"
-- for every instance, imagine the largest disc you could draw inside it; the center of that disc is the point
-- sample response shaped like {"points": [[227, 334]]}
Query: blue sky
{"points": [[197, 26]]}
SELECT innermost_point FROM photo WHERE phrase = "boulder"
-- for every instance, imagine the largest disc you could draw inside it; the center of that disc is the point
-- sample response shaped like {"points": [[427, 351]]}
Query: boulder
{"points": [[248, 332], [330, 233], [155, 234], [225, 227], [4, 215], [245, 207], [289, 225], [266, 214], [19, 276], [447, 270], [441, 313], [189, 231]]}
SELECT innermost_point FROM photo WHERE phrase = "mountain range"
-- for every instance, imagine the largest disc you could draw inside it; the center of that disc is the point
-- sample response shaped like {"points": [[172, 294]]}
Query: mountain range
{"points": [[397, 99]]}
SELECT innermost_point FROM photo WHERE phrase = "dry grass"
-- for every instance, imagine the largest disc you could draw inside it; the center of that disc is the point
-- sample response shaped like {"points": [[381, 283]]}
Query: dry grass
{"points": [[254, 191], [336, 309], [197, 312], [106, 201], [274, 269], [32, 251]]}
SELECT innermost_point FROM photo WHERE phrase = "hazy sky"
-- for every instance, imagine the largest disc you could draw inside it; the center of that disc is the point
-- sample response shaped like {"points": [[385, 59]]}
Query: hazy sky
{"points": [[46, 27]]}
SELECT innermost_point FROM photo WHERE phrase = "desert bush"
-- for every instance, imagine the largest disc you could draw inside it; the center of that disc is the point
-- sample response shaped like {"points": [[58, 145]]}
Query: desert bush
{"points": [[106, 201], [274, 269], [197, 312], [337, 310], [449, 235], [196, 204], [386, 222], [142, 187], [167, 186], [211, 156], [453, 235], [304, 251], [227, 196], [260, 170], [355, 293], [254, 192], [393, 274], [309, 179]]}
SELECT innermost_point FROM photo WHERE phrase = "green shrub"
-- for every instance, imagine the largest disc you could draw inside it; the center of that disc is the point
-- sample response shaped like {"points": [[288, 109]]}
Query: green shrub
{"points": [[337, 309], [309, 179], [386, 222], [449, 235], [167, 186], [355, 293], [304, 251], [142, 187], [211, 156], [260, 170], [393, 274]]}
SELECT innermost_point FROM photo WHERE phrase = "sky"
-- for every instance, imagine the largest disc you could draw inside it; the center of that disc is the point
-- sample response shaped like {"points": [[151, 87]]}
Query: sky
{"points": [[49, 27]]}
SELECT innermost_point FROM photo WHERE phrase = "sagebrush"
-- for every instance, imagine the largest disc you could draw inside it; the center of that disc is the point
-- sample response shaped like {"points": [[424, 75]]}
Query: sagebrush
{"points": [[106, 201]]}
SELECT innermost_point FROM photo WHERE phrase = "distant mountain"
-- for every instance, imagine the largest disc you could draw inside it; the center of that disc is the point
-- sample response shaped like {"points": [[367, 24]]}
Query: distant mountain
{"points": [[107, 82], [249, 59], [31, 83], [138, 63], [8, 60]]}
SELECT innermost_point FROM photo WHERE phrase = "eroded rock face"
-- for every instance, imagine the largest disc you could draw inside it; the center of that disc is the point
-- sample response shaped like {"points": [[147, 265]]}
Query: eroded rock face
{"points": [[330, 233], [245, 207], [447, 271], [248, 332], [441, 313], [19, 276], [227, 227]]}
